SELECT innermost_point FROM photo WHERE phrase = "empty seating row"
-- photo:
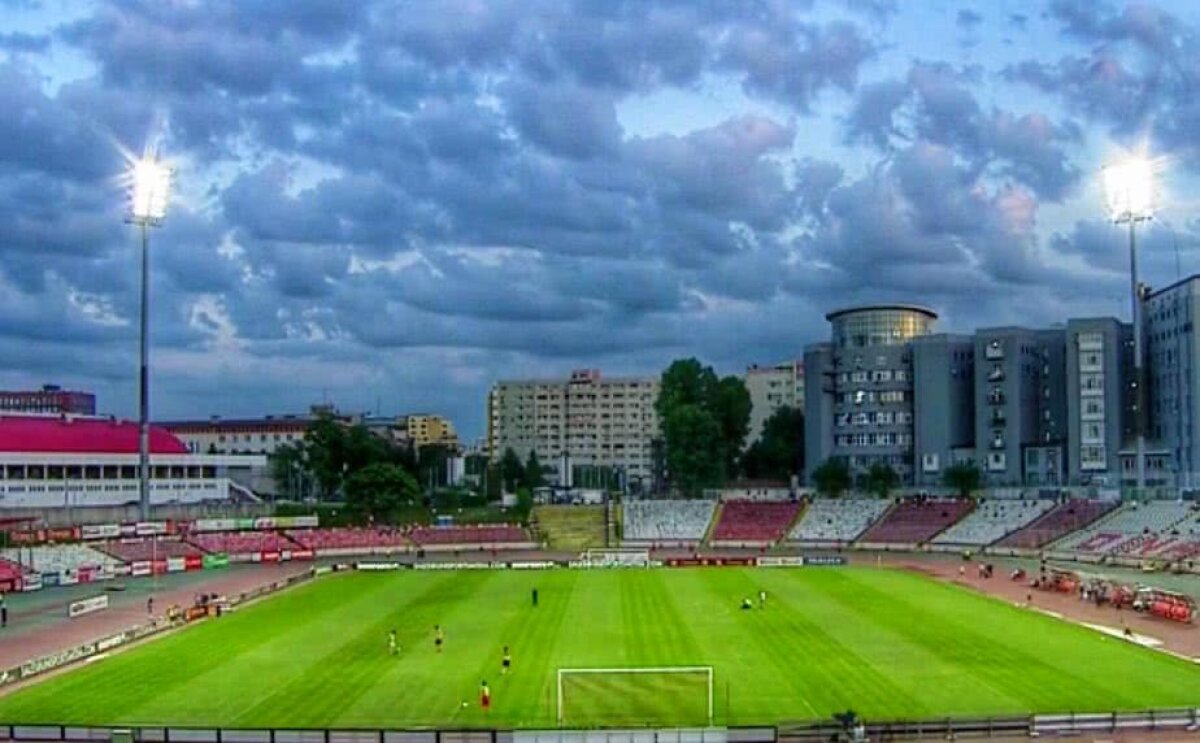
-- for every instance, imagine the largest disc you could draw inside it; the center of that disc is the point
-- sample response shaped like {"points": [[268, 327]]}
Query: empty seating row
{"points": [[325, 539], [838, 520], [243, 542], [59, 558], [1135, 521], [992, 520], [140, 550], [482, 534], [750, 521], [1056, 523], [916, 520], [667, 520]]}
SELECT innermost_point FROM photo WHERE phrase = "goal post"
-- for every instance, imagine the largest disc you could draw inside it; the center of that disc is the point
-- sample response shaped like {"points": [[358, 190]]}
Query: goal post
{"points": [[640, 693]]}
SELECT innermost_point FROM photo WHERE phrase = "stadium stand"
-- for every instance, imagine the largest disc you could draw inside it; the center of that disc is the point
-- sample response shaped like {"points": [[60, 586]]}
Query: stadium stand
{"points": [[570, 527], [243, 542], [482, 534], [58, 558], [1063, 519], [667, 520], [992, 520], [916, 520], [1136, 529], [10, 572], [749, 521], [348, 539], [838, 520], [140, 550]]}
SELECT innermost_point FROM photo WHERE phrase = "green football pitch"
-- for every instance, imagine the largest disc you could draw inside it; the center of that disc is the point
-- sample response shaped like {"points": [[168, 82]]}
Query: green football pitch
{"points": [[885, 643]]}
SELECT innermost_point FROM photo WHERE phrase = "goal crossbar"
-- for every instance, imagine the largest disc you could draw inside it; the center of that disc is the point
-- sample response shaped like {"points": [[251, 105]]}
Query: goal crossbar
{"points": [[638, 670]]}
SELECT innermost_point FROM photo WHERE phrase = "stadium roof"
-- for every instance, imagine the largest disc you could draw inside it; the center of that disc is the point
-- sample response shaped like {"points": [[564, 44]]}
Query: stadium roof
{"points": [[80, 436]]}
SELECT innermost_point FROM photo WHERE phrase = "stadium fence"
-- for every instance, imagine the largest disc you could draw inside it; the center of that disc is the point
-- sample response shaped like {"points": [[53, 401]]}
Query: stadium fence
{"points": [[1066, 724]]}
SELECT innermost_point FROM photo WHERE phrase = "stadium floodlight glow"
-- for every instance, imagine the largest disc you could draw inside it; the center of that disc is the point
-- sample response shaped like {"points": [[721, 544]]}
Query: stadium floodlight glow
{"points": [[150, 189], [1129, 189], [1129, 192]]}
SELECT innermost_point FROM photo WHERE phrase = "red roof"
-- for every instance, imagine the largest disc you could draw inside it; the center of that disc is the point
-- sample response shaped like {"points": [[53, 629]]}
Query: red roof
{"points": [[80, 436]]}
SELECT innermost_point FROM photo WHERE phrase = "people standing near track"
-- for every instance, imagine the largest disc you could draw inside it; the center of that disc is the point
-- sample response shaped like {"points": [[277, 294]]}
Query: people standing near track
{"points": [[505, 662], [3, 612], [485, 696], [150, 606], [439, 637]]}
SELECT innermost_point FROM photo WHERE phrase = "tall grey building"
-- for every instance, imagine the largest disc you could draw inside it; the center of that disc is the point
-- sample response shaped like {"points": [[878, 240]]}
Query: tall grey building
{"points": [[943, 404], [1020, 406], [1173, 358], [1099, 368], [771, 388], [585, 420], [865, 384]]}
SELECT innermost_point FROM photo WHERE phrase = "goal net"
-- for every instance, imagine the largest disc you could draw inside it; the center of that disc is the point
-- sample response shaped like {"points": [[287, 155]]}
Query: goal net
{"points": [[617, 557], [606, 697]]}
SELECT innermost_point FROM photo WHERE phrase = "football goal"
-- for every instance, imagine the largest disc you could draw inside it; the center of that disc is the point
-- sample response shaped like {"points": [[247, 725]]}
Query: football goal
{"points": [[668, 695], [617, 557]]}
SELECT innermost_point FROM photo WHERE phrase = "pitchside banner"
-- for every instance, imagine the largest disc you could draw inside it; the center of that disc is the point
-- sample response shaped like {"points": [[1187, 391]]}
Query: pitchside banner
{"points": [[820, 560], [87, 606], [100, 531], [218, 560]]}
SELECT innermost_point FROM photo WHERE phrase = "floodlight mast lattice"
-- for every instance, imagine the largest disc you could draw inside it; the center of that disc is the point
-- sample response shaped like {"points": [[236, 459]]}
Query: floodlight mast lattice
{"points": [[1129, 192], [151, 188]]}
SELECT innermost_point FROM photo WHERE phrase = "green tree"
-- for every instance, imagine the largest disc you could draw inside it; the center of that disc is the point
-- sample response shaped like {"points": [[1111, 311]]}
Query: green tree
{"points": [[288, 469], [880, 479], [963, 477], [779, 451], [832, 477], [535, 475], [704, 421], [512, 472], [378, 490], [325, 453]]}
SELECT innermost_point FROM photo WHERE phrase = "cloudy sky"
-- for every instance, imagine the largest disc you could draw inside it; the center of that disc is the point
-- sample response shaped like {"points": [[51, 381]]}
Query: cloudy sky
{"points": [[392, 204]]}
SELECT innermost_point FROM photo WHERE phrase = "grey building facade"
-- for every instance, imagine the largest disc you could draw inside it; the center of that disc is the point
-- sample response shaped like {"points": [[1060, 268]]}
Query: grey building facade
{"points": [[818, 405], [943, 404], [869, 386], [1099, 370], [1020, 406], [1172, 361]]}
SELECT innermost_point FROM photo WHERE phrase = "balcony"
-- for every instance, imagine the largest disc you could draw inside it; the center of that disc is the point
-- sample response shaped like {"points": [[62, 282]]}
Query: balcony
{"points": [[993, 351], [995, 398], [999, 417], [997, 442], [996, 375]]}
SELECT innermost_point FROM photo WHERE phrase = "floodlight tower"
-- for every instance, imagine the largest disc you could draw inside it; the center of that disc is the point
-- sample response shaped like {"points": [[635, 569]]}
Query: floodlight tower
{"points": [[1129, 191], [151, 187]]}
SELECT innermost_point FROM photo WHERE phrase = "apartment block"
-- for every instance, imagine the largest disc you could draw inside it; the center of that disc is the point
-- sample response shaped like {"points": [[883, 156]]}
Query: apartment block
{"points": [[583, 420], [1172, 362], [1099, 371], [943, 404], [772, 388]]}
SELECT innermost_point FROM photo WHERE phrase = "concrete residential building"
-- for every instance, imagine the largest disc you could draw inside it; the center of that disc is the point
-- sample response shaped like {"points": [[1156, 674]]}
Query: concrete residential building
{"points": [[49, 400], [585, 420], [866, 374], [1172, 363], [1099, 369], [218, 435], [772, 388], [1020, 406], [424, 429], [943, 404]]}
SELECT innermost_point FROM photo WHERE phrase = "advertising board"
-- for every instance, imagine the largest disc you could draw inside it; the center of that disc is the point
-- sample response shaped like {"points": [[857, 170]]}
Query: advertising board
{"points": [[87, 606], [100, 531]]}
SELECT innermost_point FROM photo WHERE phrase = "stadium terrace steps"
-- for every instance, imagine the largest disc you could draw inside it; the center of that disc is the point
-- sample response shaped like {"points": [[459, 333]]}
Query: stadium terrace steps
{"points": [[754, 522], [570, 527], [348, 540], [837, 520], [993, 519], [243, 542], [667, 521], [1150, 526], [140, 550], [1056, 523], [480, 534], [916, 521]]}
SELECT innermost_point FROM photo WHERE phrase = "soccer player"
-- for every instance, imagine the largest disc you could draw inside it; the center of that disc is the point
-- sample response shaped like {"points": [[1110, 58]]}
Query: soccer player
{"points": [[535, 598], [505, 662], [439, 637], [762, 599], [485, 696], [746, 603], [392, 642]]}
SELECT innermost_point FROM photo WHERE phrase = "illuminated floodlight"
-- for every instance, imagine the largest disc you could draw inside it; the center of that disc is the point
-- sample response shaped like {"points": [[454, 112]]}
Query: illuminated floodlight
{"points": [[151, 190], [1129, 189]]}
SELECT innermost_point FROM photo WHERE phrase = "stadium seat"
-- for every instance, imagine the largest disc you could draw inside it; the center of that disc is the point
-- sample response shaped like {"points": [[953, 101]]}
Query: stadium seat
{"points": [[1061, 520], [993, 519], [243, 542], [1131, 528], [482, 534], [752, 521], [348, 539], [140, 550], [59, 558], [660, 521], [917, 520], [838, 520]]}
